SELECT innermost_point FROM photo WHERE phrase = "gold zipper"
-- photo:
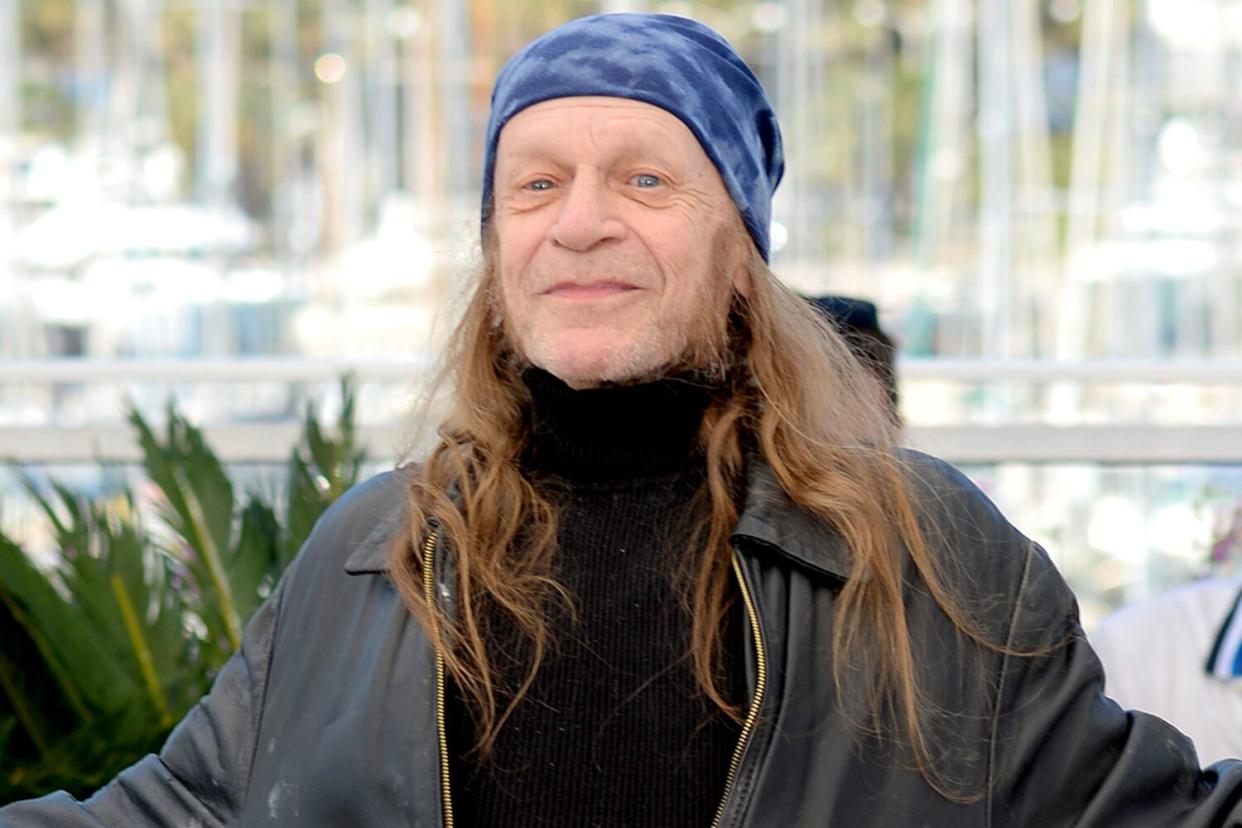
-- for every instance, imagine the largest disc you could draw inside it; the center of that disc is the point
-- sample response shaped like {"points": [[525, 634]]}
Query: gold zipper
{"points": [[761, 683], [429, 583]]}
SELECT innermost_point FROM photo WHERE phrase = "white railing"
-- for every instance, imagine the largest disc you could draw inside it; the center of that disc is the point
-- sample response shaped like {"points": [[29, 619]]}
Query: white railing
{"points": [[302, 369], [271, 443], [287, 369], [1099, 371], [1001, 442]]}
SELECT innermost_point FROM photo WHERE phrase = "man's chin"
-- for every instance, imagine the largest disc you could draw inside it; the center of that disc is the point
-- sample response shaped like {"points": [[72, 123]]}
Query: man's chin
{"points": [[577, 374], [590, 364], [579, 368], [580, 375]]}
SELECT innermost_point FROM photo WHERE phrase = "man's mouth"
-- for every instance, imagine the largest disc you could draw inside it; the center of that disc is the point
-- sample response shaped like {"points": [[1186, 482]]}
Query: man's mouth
{"points": [[589, 290]]}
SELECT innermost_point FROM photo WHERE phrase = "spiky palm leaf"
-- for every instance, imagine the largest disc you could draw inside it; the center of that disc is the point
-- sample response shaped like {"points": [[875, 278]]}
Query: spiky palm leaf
{"points": [[321, 469], [34, 706], [101, 654], [198, 506], [122, 666]]}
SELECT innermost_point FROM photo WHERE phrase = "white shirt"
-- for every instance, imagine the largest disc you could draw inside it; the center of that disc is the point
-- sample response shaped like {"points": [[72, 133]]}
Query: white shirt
{"points": [[1154, 654]]}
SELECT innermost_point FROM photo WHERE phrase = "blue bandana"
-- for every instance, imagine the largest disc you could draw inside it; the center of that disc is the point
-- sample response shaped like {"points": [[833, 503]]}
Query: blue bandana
{"points": [[672, 62]]}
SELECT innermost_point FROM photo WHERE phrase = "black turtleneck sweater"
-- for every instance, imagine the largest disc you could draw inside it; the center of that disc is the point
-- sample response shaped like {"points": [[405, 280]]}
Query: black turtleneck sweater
{"points": [[614, 731]]}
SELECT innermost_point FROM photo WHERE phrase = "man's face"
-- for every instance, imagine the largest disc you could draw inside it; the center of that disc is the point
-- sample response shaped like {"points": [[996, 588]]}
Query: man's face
{"points": [[610, 224]]}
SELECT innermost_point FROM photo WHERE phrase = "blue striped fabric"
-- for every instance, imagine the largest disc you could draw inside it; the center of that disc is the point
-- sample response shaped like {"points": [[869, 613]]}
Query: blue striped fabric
{"points": [[672, 62]]}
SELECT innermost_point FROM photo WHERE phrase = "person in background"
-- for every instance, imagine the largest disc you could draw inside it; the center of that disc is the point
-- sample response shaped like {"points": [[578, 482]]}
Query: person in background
{"points": [[666, 565], [1179, 655], [858, 322]]}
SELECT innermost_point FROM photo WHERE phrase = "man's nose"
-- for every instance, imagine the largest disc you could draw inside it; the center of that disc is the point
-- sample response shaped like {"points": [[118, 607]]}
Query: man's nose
{"points": [[586, 216]]}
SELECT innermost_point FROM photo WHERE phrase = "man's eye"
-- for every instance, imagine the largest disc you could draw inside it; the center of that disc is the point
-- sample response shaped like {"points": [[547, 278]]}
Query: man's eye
{"points": [[646, 180], [539, 185]]}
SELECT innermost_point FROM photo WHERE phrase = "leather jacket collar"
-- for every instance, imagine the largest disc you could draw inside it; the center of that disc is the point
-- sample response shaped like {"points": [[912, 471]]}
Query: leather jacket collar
{"points": [[769, 521]]}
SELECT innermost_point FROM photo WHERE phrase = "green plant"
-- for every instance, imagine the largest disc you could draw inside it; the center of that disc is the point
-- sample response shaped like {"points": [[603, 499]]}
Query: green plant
{"points": [[101, 654]]}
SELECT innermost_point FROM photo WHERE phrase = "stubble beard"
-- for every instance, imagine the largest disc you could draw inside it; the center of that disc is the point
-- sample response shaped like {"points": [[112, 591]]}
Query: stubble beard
{"points": [[700, 346]]}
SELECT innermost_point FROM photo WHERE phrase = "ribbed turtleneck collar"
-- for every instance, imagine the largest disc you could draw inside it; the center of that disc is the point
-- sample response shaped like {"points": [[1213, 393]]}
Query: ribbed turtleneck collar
{"points": [[613, 432]]}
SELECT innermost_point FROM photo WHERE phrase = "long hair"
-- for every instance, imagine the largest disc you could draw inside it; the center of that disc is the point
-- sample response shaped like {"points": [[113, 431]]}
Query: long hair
{"points": [[794, 395]]}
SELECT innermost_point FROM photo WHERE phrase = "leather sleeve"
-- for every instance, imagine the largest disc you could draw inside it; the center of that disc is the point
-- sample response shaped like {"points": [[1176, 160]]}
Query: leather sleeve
{"points": [[1064, 754], [199, 778]]}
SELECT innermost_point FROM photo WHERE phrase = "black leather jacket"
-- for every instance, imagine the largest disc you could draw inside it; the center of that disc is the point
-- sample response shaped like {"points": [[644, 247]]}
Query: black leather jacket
{"points": [[330, 714]]}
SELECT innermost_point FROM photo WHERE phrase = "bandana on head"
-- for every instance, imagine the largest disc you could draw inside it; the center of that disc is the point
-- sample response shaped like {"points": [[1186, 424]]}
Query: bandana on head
{"points": [[672, 62]]}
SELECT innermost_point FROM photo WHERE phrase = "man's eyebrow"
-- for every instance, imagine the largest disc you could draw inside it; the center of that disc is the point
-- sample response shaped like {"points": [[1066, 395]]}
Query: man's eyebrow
{"points": [[653, 150]]}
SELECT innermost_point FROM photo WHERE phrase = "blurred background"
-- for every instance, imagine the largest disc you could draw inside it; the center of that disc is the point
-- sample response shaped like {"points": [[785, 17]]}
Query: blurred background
{"points": [[232, 202]]}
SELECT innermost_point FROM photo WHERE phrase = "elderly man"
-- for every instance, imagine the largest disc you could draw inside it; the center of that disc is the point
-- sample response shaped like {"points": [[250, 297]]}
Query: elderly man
{"points": [[664, 566]]}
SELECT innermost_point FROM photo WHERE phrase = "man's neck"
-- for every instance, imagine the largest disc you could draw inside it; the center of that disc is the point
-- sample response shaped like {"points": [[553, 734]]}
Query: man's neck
{"points": [[615, 431]]}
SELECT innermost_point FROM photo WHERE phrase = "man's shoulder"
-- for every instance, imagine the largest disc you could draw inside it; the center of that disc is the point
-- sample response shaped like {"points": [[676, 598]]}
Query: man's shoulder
{"points": [[357, 531], [984, 559], [956, 514], [376, 495], [956, 518], [941, 489]]}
